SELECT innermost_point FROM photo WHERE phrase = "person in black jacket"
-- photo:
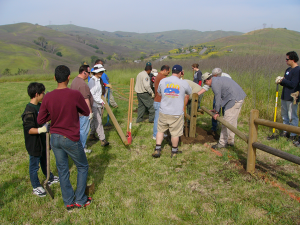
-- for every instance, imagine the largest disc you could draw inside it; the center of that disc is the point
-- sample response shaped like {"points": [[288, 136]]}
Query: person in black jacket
{"points": [[290, 83], [35, 138]]}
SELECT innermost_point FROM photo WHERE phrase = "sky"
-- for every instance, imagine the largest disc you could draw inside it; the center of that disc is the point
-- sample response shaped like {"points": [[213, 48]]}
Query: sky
{"points": [[155, 15]]}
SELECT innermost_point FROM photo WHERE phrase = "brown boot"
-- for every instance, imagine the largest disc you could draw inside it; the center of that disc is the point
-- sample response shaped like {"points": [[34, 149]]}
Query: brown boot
{"points": [[104, 143], [93, 137]]}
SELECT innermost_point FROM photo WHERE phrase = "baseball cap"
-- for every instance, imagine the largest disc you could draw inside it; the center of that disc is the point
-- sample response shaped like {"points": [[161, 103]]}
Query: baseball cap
{"points": [[177, 67], [148, 64], [205, 76], [97, 68]]}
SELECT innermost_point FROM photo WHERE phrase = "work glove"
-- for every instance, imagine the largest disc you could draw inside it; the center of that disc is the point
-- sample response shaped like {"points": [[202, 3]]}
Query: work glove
{"points": [[153, 95], [91, 116], [109, 85], [278, 80], [44, 129]]}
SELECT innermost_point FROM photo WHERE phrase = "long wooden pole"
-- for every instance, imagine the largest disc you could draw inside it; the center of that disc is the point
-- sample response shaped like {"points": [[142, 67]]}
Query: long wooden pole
{"points": [[279, 126], [132, 79], [251, 158], [228, 125], [115, 122]]}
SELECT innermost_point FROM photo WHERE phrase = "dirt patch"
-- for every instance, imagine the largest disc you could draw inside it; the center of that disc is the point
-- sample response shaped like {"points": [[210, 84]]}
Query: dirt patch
{"points": [[201, 137]]}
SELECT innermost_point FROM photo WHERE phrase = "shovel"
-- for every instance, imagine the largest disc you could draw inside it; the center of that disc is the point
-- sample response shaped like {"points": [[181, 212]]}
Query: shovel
{"points": [[46, 185], [130, 104], [273, 136]]}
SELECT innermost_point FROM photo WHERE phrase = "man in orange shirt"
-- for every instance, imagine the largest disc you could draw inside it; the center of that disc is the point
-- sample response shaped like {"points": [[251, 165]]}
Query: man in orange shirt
{"points": [[164, 72]]}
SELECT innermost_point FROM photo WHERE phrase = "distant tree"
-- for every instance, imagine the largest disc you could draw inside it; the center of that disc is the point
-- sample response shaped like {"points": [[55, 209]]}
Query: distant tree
{"points": [[42, 41], [93, 59], [109, 57], [21, 71], [59, 54], [99, 51], [170, 57], [6, 72], [52, 48]]}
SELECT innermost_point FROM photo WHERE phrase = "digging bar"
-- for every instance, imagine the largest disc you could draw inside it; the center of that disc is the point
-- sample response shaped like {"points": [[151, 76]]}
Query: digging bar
{"points": [[46, 185]]}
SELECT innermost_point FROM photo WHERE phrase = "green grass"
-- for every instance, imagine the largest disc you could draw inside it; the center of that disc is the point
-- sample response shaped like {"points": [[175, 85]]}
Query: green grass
{"points": [[131, 187]]}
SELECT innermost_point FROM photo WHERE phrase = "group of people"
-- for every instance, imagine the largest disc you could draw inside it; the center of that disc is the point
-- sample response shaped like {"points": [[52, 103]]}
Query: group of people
{"points": [[70, 125], [166, 104], [69, 128]]}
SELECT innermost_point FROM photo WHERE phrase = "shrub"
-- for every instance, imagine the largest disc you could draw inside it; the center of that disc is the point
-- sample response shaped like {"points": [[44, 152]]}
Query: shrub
{"points": [[59, 54], [6, 72]]}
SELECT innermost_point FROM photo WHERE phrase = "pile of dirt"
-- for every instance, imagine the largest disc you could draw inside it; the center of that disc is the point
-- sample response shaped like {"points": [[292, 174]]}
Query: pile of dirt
{"points": [[201, 137]]}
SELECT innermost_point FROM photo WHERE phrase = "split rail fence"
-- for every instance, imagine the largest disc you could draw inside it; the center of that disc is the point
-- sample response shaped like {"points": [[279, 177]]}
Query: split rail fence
{"points": [[251, 139]]}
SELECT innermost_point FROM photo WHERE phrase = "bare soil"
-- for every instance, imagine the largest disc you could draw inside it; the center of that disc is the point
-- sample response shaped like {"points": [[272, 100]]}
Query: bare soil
{"points": [[201, 137]]}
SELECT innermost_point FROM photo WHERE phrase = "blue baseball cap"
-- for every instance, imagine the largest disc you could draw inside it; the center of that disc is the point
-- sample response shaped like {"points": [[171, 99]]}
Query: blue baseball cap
{"points": [[177, 67]]}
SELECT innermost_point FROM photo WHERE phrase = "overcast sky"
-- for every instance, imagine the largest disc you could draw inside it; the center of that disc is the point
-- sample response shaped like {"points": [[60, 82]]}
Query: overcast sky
{"points": [[155, 15]]}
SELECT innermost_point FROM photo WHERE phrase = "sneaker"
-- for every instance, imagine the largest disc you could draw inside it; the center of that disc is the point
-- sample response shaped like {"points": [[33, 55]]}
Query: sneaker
{"points": [[156, 154], [39, 191], [88, 202], [296, 142], [154, 138], [93, 137], [53, 181], [104, 143], [87, 150], [174, 154], [217, 146], [70, 207]]}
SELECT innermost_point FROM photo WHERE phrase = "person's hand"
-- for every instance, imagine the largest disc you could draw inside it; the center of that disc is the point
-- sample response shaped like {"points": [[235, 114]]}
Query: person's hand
{"points": [[153, 95], [109, 85], [91, 116], [278, 80], [213, 110], [44, 129], [215, 116]]}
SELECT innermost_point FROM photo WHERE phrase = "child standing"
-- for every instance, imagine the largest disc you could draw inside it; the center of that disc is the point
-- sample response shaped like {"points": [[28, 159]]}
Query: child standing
{"points": [[35, 138]]}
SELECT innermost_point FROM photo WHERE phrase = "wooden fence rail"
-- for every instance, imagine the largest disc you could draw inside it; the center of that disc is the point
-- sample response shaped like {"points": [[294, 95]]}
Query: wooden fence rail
{"points": [[251, 139]]}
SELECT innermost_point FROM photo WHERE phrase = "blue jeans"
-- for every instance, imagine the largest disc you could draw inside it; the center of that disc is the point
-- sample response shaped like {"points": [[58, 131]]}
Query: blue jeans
{"points": [[84, 129], [214, 122], [289, 114], [34, 162], [62, 148], [156, 106]]}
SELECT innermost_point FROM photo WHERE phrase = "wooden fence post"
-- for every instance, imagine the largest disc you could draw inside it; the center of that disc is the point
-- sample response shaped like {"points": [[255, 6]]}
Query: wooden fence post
{"points": [[252, 138], [194, 112]]}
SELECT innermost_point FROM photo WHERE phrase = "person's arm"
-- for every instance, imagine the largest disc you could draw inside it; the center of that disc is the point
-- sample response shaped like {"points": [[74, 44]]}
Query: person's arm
{"points": [[291, 84], [88, 104], [43, 115], [201, 91], [82, 106], [146, 84]]}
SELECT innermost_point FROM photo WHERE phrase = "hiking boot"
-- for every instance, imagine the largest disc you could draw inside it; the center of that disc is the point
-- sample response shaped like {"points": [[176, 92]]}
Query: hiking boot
{"points": [[39, 191], [174, 154], [88, 202], [229, 145], [70, 207], [296, 142], [104, 143], [156, 154], [53, 181], [284, 134], [217, 146], [93, 137], [292, 138]]}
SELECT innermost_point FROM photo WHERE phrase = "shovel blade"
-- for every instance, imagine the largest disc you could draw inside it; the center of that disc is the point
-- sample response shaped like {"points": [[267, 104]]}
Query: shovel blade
{"points": [[48, 189], [129, 138]]}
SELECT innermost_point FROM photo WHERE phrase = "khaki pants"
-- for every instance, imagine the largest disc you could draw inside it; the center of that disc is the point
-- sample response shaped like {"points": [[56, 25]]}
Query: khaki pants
{"points": [[231, 116], [96, 125]]}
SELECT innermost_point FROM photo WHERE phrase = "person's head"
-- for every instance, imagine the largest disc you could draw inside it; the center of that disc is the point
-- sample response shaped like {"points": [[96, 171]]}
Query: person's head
{"points": [[62, 73], [216, 72], [84, 71], [291, 56], [206, 78], [148, 69], [148, 64], [99, 61], [177, 71], [36, 90], [195, 66], [98, 70], [165, 70]]}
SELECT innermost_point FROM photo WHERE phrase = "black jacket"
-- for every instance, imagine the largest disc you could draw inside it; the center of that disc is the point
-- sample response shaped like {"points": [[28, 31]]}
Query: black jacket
{"points": [[33, 142], [290, 83]]}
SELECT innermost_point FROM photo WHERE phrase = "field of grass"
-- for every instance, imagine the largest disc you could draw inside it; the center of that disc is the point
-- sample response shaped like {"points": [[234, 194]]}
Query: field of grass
{"points": [[197, 187]]}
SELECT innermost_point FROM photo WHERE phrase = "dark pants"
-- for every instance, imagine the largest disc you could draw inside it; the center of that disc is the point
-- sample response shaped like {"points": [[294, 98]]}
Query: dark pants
{"points": [[214, 122], [145, 103], [34, 162]]}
